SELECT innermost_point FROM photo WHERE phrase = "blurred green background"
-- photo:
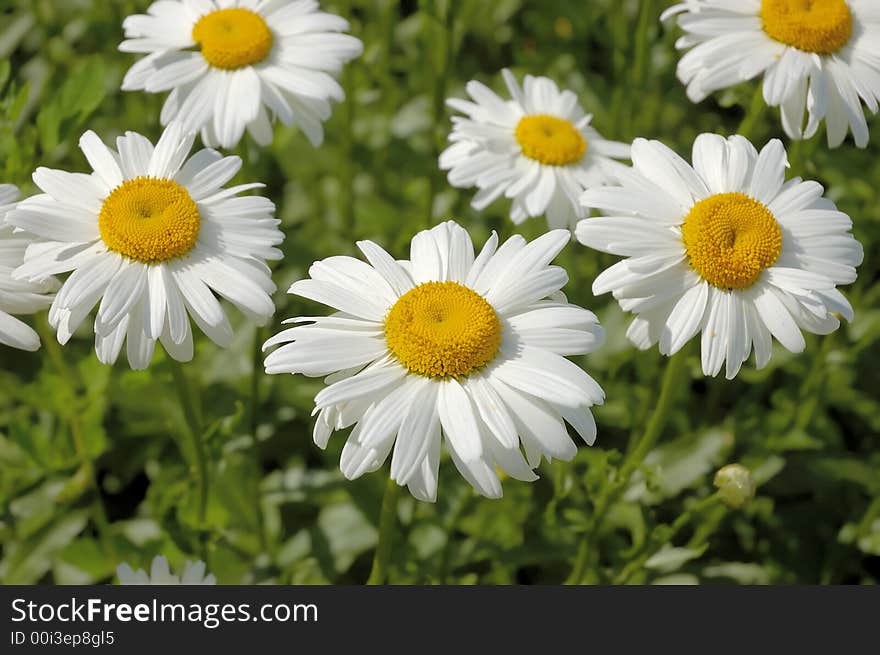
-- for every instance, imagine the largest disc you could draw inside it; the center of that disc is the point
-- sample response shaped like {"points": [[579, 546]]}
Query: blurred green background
{"points": [[94, 465]]}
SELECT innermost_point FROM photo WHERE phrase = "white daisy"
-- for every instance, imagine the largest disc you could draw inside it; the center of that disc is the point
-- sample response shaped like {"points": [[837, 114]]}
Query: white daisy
{"points": [[471, 346], [727, 248], [232, 65], [819, 56], [16, 296], [153, 236], [160, 574], [537, 148]]}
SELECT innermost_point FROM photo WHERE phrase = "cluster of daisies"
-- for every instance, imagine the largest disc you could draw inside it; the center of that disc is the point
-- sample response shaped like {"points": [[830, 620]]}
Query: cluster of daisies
{"points": [[456, 349]]}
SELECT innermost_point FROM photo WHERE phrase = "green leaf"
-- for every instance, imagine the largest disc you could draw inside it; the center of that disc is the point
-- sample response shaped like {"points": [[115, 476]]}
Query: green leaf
{"points": [[670, 558], [679, 464], [855, 471], [26, 562], [67, 110], [348, 533], [83, 561]]}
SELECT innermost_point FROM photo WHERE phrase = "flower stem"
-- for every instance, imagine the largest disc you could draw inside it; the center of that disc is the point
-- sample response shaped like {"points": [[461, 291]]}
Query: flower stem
{"points": [[348, 159], [387, 522], [672, 377], [256, 376], [812, 385], [56, 356], [192, 414], [641, 61], [464, 504], [445, 16], [660, 537], [753, 114]]}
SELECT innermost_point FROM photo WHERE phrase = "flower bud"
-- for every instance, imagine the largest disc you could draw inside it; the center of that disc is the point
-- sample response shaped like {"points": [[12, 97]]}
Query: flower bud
{"points": [[735, 484]]}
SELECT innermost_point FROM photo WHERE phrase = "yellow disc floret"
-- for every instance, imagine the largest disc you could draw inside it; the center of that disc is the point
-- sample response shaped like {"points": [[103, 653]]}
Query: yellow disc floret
{"points": [[150, 220], [233, 38], [730, 238], [443, 329], [820, 26], [550, 140]]}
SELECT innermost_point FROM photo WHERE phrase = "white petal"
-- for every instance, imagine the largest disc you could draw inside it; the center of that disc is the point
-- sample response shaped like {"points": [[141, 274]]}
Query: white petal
{"points": [[778, 320], [419, 429], [17, 334], [492, 411], [549, 376], [103, 162], [458, 420], [685, 319], [769, 172], [339, 298]]}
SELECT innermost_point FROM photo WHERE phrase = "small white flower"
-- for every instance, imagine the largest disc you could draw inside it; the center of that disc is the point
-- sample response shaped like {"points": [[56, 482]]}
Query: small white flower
{"points": [[232, 65], [18, 296], [820, 57], [538, 148], [727, 248], [473, 347], [160, 574], [153, 236]]}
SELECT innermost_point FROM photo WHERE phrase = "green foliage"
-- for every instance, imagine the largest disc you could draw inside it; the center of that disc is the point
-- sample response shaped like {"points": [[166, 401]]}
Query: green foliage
{"points": [[63, 115], [279, 510]]}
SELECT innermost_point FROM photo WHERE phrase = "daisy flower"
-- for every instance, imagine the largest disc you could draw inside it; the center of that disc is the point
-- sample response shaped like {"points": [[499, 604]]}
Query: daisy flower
{"points": [[232, 65], [538, 148], [153, 236], [818, 56], [727, 248], [160, 574], [472, 348], [16, 296]]}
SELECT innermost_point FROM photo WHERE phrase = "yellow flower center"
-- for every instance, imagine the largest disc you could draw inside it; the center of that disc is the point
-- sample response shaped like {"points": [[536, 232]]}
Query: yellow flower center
{"points": [[233, 38], [730, 238], [442, 329], [150, 220], [550, 140], [820, 26]]}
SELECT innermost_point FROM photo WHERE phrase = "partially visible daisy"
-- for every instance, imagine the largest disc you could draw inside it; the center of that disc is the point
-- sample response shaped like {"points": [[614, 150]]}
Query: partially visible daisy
{"points": [[726, 248], [153, 236], [232, 65], [818, 56], [538, 148], [470, 347], [17, 296], [160, 574]]}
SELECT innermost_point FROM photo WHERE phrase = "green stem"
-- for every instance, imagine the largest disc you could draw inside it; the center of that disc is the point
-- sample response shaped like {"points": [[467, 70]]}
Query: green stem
{"points": [[640, 55], [640, 60], [101, 520], [753, 114], [447, 18], [795, 157], [660, 537], [256, 378], [349, 159], [810, 391], [872, 513], [387, 523], [85, 459], [672, 377], [707, 526], [449, 528], [192, 414]]}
